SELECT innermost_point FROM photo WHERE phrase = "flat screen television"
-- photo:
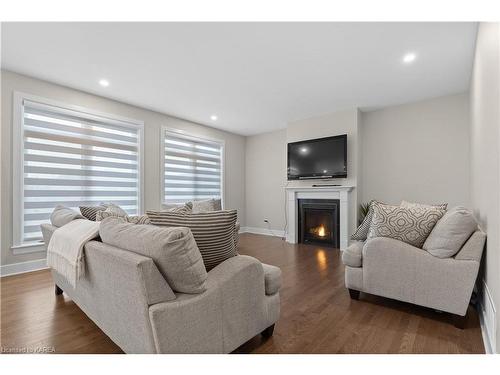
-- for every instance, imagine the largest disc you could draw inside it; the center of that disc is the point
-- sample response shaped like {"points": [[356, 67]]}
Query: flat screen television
{"points": [[318, 158]]}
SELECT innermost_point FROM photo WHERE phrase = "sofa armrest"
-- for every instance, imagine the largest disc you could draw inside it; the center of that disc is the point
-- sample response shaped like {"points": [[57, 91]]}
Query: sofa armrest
{"points": [[473, 247], [232, 310]]}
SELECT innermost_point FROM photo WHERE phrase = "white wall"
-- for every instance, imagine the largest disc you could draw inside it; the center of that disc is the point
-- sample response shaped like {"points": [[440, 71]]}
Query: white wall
{"points": [[266, 178], [235, 149], [417, 152], [485, 165]]}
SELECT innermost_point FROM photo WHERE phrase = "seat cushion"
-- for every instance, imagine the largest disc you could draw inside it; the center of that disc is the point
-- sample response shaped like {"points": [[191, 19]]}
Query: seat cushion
{"points": [[272, 277], [450, 233], [353, 255], [213, 232], [173, 250]]}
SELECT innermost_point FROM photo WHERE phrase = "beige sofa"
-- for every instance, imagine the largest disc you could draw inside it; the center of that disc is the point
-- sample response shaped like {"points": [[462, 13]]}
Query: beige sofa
{"points": [[394, 269], [128, 298]]}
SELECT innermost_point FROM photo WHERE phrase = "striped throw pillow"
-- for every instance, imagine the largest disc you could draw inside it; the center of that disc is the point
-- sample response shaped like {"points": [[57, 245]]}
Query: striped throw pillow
{"points": [[90, 212], [212, 231]]}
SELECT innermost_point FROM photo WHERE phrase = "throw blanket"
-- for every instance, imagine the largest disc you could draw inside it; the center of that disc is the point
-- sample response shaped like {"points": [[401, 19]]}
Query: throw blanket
{"points": [[65, 250]]}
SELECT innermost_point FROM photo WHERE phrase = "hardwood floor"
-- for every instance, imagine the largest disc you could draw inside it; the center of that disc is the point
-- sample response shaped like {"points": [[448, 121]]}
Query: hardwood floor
{"points": [[317, 314]]}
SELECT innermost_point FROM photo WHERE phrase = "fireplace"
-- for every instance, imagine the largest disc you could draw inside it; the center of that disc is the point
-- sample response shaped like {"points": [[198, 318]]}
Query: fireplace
{"points": [[319, 221]]}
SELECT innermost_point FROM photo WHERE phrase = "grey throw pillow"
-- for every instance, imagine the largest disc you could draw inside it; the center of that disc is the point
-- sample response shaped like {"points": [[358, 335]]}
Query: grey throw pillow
{"points": [[173, 250], [408, 224], [214, 232], [63, 215], [450, 233], [362, 231], [206, 205]]}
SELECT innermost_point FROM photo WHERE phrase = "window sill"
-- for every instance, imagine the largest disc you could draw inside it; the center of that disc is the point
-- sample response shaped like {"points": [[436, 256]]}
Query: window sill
{"points": [[28, 248]]}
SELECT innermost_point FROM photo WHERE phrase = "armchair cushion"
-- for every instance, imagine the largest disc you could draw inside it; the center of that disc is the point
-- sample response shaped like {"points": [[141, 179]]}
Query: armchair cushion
{"points": [[272, 278], [450, 233], [353, 255]]}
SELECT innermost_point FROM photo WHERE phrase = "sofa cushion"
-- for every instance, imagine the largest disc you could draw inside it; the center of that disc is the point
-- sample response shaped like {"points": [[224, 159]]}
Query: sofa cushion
{"points": [[173, 250], [272, 278], [213, 232], [353, 255], [408, 224], [90, 212], [63, 215], [450, 233]]}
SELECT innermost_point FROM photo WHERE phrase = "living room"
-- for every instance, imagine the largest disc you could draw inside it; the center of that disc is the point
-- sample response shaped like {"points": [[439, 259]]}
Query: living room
{"points": [[309, 188]]}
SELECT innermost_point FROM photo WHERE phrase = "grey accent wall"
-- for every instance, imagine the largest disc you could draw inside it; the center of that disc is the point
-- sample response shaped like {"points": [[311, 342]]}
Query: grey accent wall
{"points": [[234, 169], [485, 163], [266, 178], [417, 152]]}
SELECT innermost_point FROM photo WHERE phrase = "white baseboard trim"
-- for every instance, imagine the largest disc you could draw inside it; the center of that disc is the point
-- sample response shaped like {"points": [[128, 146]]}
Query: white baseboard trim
{"points": [[23, 267], [263, 231], [487, 319]]}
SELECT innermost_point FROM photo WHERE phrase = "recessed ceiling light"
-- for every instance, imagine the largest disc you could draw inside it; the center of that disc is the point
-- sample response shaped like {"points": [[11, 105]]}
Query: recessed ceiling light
{"points": [[104, 82], [213, 118], [409, 58]]}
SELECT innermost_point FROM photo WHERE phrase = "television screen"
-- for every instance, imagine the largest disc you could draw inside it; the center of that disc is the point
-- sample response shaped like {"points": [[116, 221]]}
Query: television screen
{"points": [[318, 158]]}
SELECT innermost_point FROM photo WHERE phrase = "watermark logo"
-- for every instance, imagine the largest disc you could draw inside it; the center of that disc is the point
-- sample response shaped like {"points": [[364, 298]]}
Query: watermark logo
{"points": [[27, 349]]}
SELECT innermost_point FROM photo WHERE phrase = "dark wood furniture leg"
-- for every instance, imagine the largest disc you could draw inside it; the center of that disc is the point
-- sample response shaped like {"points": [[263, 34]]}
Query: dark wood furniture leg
{"points": [[58, 291], [459, 321], [268, 332], [354, 294]]}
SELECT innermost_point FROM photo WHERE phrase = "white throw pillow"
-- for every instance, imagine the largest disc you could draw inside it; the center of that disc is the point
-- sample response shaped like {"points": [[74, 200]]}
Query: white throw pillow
{"points": [[63, 215], [450, 233]]}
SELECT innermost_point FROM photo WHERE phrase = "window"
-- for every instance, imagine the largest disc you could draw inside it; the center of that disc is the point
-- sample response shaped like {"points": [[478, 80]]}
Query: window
{"points": [[192, 167], [72, 157]]}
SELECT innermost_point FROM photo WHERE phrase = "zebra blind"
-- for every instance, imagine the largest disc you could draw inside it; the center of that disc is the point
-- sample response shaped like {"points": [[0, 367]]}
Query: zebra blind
{"points": [[75, 159], [192, 168]]}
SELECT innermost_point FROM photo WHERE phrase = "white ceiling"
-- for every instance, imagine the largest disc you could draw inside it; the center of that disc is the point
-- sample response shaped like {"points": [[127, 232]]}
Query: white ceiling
{"points": [[254, 76]]}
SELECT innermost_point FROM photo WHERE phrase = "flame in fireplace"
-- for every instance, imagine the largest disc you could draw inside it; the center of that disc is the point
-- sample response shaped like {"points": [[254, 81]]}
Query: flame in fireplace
{"points": [[321, 231]]}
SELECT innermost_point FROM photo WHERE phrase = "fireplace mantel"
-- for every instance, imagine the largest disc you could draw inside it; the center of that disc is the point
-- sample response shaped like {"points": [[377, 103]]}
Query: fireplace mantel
{"points": [[294, 193]]}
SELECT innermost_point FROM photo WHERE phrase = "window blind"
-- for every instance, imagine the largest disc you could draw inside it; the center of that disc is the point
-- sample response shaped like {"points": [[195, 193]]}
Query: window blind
{"points": [[72, 158], [192, 168]]}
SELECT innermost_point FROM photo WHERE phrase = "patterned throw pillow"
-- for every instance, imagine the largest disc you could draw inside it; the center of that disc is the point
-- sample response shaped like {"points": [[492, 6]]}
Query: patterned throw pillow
{"points": [[181, 208], [90, 212], [408, 224], [143, 219], [212, 231], [407, 204], [362, 231]]}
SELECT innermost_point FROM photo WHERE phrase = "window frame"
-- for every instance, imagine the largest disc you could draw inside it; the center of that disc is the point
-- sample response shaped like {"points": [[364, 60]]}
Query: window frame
{"points": [[188, 135], [18, 246]]}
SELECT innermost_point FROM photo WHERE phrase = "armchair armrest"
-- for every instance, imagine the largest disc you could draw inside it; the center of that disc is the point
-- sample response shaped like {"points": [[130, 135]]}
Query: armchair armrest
{"points": [[473, 248]]}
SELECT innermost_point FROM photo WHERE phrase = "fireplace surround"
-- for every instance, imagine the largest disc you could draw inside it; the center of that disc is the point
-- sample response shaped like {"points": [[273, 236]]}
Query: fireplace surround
{"points": [[294, 193]]}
